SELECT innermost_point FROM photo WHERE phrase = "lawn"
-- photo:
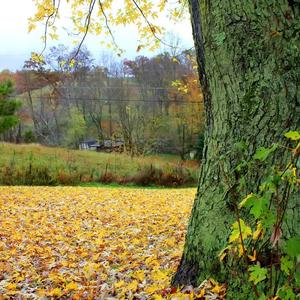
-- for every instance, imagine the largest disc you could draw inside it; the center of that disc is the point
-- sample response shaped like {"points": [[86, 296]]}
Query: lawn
{"points": [[91, 243], [33, 164]]}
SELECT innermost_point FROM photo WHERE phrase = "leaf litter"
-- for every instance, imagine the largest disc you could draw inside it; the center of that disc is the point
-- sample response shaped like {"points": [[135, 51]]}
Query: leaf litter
{"points": [[94, 243]]}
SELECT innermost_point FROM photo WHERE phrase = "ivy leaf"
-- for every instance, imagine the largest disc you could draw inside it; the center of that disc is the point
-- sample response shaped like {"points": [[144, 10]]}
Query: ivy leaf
{"points": [[268, 185], [293, 135], [286, 292], [293, 246], [248, 200], [286, 264], [257, 274], [258, 206], [268, 220], [262, 153], [297, 276]]}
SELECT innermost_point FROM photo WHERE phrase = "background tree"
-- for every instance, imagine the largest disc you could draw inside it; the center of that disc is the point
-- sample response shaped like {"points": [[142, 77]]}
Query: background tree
{"points": [[8, 107], [38, 78], [76, 129]]}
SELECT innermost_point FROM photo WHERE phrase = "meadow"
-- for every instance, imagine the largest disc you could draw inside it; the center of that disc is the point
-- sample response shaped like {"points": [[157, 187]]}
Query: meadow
{"points": [[33, 164], [94, 243]]}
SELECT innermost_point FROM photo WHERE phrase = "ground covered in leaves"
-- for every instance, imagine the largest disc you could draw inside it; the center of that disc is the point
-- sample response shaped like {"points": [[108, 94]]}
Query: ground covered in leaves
{"points": [[91, 243]]}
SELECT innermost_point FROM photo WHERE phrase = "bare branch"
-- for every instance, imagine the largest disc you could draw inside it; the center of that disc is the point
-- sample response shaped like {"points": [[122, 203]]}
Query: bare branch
{"points": [[87, 26], [107, 25], [56, 11], [150, 25], [47, 25]]}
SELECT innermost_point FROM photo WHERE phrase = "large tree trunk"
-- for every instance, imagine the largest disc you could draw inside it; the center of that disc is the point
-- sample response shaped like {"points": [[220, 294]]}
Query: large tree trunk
{"points": [[250, 77]]}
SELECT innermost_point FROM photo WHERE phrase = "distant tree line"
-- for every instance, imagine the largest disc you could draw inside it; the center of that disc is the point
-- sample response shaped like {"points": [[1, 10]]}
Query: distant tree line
{"points": [[152, 104]]}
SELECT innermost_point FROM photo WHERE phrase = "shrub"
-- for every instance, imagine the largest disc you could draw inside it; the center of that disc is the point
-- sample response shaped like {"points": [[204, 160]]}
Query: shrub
{"points": [[262, 249], [29, 137]]}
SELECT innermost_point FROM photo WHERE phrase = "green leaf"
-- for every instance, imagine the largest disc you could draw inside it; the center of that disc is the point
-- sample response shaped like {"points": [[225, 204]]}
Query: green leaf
{"points": [[268, 220], [262, 153], [293, 135], [268, 184], [257, 274], [297, 276], [286, 293], [248, 200], [262, 297], [259, 206], [293, 246], [286, 264]]}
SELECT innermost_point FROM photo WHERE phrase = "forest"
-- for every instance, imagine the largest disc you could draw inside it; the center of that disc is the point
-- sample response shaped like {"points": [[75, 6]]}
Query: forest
{"points": [[153, 105]]}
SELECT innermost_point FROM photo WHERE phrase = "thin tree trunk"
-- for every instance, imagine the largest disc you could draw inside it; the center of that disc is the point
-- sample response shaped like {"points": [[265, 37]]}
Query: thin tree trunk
{"points": [[33, 115], [249, 66]]}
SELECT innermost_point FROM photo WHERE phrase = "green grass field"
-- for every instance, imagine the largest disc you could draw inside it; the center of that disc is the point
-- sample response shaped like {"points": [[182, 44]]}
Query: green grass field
{"points": [[36, 164]]}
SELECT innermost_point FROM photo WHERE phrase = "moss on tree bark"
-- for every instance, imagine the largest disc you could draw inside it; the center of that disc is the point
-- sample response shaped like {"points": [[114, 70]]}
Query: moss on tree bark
{"points": [[249, 67]]}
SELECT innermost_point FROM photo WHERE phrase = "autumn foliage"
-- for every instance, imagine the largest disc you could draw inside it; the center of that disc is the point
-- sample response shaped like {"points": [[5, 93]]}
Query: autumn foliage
{"points": [[78, 243], [91, 243]]}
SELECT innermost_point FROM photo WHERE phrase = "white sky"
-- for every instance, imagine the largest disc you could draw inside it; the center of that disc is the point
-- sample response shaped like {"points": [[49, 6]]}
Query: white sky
{"points": [[17, 43]]}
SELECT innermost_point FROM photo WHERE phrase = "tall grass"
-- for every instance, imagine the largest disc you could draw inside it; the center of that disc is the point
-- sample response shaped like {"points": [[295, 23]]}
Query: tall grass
{"points": [[33, 164]]}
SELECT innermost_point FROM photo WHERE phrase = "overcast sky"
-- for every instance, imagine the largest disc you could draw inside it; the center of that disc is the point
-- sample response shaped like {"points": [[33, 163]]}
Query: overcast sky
{"points": [[17, 43]]}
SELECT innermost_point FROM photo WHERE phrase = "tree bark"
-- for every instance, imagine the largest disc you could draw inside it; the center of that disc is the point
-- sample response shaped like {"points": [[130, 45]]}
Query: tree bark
{"points": [[249, 69]]}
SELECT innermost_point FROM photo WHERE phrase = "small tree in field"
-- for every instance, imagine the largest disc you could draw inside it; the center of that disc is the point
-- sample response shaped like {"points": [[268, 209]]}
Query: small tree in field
{"points": [[76, 129], [8, 107]]}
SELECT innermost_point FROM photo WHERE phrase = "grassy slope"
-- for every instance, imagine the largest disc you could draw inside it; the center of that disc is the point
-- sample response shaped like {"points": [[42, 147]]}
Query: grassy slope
{"points": [[86, 162]]}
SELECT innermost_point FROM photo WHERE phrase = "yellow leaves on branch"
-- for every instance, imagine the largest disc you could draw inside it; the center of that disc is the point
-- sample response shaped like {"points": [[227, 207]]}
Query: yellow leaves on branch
{"points": [[108, 14], [37, 57], [236, 242], [83, 243]]}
